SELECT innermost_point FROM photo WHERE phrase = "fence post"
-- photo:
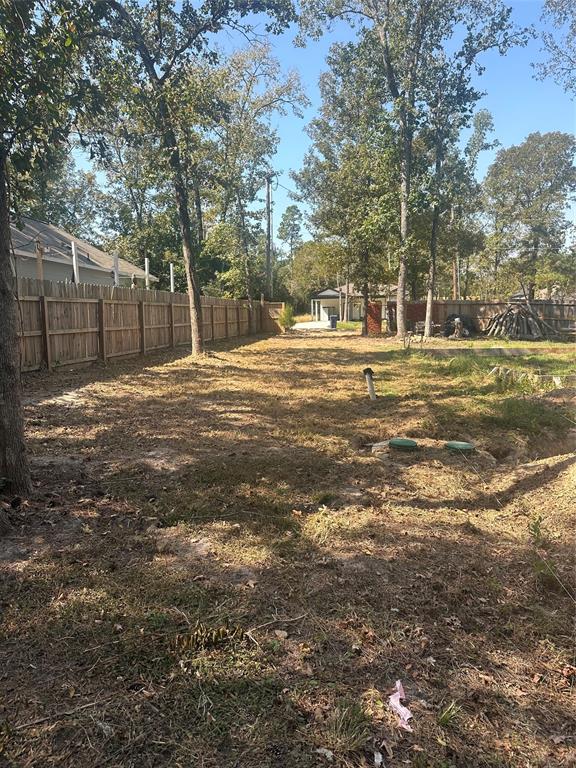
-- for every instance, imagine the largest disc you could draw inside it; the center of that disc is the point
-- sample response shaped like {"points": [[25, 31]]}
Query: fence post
{"points": [[238, 318], [227, 330], [101, 330], [44, 321], [171, 319], [212, 337], [142, 325]]}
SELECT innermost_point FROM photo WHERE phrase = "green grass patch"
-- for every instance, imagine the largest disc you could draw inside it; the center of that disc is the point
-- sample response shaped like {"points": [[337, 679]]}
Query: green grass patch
{"points": [[349, 325]]}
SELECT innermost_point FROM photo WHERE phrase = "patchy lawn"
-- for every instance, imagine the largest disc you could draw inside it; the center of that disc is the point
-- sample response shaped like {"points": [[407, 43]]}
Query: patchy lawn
{"points": [[216, 571]]}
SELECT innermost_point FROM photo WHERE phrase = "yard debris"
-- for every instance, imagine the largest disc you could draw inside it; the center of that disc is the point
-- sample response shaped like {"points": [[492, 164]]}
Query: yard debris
{"points": [[510, 375], [403, 712], [458, 326], [328, 754], [518, 321]]}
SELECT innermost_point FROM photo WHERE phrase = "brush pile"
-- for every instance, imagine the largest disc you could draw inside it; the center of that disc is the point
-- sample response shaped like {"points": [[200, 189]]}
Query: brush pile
{"points": [[518, 321]]}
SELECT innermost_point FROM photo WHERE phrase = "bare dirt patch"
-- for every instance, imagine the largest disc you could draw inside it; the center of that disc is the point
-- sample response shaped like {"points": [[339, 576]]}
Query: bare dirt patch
{"points": [[215, 570]]}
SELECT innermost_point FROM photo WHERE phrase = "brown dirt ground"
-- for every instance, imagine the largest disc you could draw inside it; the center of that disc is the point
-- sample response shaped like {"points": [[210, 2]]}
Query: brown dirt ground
{"points": [[238, 493]]}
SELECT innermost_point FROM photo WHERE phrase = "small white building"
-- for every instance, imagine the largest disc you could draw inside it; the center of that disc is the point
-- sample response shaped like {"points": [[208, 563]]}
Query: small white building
{"points": [[59, 249], [332, 301]]}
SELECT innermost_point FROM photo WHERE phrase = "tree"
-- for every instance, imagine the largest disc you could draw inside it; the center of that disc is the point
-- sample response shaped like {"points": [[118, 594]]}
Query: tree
{"points": [[561, 64], [454, 190], [290, 229], [43, 88], [137, 213], [154, 44], [315, 265], [410, 33], [349, 175], [252, 89], [57, 192], [528, 188]]}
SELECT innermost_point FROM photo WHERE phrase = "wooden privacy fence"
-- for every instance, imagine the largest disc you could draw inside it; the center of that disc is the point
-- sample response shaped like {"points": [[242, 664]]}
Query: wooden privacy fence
{"points": [[64, 324], [562, 317]]}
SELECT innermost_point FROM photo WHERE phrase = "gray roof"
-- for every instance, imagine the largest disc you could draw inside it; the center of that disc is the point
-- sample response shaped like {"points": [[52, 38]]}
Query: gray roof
{"points": [[57, 245], [326, 293]]}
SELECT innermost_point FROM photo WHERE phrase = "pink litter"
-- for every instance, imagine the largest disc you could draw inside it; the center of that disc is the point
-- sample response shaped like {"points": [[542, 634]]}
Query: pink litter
{"points": [[403, 712]]}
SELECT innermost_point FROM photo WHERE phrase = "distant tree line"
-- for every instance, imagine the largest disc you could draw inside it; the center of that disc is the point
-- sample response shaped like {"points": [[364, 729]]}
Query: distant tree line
{"points": [[392, 187]]}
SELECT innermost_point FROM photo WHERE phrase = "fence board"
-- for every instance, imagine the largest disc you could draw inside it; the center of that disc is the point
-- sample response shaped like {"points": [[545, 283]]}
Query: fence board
{"points": [[64, 323], [559, 315]]}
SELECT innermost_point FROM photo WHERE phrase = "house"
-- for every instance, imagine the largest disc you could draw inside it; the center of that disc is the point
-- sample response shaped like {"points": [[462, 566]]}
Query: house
{"points": [[332, 301], [56, 262]]}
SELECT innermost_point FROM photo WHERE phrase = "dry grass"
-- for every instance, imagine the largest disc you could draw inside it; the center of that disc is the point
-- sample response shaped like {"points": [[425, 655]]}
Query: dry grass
{"points": [[216, 571]]}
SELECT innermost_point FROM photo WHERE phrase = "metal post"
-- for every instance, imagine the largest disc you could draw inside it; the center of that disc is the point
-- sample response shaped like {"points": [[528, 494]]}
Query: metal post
{"points": [[147, 271], [171, 277], [75, 268]]}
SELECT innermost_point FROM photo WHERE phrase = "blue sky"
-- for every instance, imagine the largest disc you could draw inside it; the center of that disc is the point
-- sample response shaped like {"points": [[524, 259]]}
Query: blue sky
{"points": [[519, 103]]}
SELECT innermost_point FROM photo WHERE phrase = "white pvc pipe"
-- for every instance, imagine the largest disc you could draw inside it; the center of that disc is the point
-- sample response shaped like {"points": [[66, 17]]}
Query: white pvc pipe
{"points": [[171, 277], [368, 373]]}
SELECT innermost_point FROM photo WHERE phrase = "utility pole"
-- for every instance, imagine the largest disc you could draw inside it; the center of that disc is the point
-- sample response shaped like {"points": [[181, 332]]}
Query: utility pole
{"points": [[269, 235]]}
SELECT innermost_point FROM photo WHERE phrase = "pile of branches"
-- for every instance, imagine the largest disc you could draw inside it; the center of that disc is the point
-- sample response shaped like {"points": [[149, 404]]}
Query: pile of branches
{"points": [[518, 321]]}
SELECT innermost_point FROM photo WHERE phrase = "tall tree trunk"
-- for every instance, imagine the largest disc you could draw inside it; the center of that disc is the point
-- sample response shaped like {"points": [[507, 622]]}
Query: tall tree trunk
{"points": [[13, 461], [428, 322], [534, 261], [454, 277], [198, 211], [269, 276], [365, 301], [181, 193], [466, 278], [245, 248], [405, 172]]}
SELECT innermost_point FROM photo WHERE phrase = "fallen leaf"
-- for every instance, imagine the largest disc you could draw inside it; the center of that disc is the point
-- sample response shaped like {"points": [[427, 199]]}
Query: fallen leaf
{"points": [[318, 714], [281, 634], [251, 584], [325, 753]]}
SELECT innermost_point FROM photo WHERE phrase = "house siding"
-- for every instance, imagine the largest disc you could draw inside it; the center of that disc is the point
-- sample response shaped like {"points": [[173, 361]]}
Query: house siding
{"points": [[60, 273]]}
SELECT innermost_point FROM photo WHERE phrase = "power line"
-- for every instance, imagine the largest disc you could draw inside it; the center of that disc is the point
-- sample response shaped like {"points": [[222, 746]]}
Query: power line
{"points": [[295, 194]]}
